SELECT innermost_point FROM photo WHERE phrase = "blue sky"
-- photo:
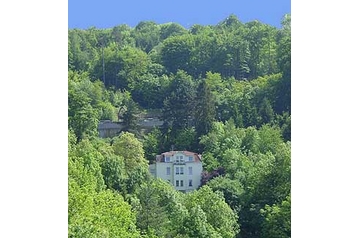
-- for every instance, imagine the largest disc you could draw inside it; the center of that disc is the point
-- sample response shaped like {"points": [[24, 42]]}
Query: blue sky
{"points": [[108, 13]]}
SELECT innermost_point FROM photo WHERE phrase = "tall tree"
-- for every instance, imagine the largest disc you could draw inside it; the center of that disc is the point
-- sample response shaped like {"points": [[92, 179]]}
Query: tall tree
{"points": [[204, 109], [178, 111], [82, 117], [136, 166], [176, 53], [284, 64], [151, 144], [130, 114], [152, 216]]}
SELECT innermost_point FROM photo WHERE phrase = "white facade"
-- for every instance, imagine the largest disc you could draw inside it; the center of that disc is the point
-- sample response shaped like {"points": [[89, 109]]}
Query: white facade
{"points": [[182, 169]]}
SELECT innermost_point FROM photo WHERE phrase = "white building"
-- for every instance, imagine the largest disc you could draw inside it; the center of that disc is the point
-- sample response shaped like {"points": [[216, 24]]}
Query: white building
{"points": [[180, 168]]}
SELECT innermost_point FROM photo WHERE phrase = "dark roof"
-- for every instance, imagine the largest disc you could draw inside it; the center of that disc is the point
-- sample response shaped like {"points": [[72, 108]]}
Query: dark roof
{"points": [[196, 156], [109, 125]]}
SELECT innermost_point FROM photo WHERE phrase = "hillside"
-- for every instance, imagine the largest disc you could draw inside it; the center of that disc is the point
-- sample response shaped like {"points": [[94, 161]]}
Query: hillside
{"points": [[223, 91]]}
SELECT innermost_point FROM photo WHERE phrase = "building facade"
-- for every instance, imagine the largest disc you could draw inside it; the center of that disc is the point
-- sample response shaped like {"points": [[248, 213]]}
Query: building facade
{"points": [[182, 169], [109, 129]]}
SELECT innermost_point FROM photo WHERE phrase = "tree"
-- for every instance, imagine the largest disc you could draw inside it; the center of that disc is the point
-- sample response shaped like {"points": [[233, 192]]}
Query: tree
{"points": [[185, 139], [277, 221], [86, 159], [150, 90], [223, 91], [103, 214], [171, 29], [176, 53], [152, 215], [146, 34], [179, 105], [284, 122], [203, 55], [136, 166], [255, 38], [284, 64], [122, 66], [114, 173], [121, 35], [265, 111], [196, 224], [82, 117], [218, 213], [151, 144], [82, 49], [231, 189], [113, 216], [131, 149], [237, 57], [92, 210], [232, 21], [131, 113], [204, 109]]}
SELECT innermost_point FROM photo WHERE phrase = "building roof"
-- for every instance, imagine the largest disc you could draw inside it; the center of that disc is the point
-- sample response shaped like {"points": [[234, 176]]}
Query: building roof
{"points": [[196, 156], [107, 124]]}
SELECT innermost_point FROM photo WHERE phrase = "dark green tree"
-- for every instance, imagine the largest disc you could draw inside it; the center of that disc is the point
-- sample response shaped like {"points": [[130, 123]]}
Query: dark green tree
{"points": [[178, 111], [151, 144], [204, 109], [176, 52], [152, 216], [265, 111], [284, 64], [131, 113]]}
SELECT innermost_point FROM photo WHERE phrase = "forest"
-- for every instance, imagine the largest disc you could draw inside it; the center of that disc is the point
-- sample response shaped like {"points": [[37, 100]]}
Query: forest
{"points": [[223, 91]]}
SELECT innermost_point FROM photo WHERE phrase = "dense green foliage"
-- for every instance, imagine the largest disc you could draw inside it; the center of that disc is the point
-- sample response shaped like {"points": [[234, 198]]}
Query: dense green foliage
{"points": [[222, 91]]}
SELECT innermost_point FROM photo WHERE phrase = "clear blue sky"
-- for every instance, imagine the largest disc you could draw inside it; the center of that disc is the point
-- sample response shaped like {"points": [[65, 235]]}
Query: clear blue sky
{"points": [[108, 13]]}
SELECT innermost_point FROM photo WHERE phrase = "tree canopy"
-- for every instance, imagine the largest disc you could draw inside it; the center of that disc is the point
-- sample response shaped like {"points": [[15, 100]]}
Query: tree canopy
{"points": [[223, 91]]}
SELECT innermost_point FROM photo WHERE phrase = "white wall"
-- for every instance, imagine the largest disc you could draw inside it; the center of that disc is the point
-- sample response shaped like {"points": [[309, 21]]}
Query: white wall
{"points": [[197, 168]]}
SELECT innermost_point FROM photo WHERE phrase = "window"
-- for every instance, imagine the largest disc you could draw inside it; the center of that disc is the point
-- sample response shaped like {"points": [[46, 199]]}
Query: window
{"points": [[176, 170], [181, 183], [177, 183], [177, 159], [191, 159], [167, 159], [168, 170], [190, 170], [181, 159], [190, 183], [181, 170]]}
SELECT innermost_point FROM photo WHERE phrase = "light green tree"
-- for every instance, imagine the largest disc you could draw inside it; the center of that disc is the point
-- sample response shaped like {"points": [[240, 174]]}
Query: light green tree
{"points": [[277, 221], [136, 166], [218, 213]]}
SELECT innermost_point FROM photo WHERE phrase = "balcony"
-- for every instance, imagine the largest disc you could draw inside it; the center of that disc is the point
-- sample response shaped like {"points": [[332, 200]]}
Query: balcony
{"points": [[179, 162]]}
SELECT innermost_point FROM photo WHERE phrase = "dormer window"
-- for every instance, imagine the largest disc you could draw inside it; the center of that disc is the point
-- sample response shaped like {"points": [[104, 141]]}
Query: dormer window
{"points": [[191, 159], [167, 159]]}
